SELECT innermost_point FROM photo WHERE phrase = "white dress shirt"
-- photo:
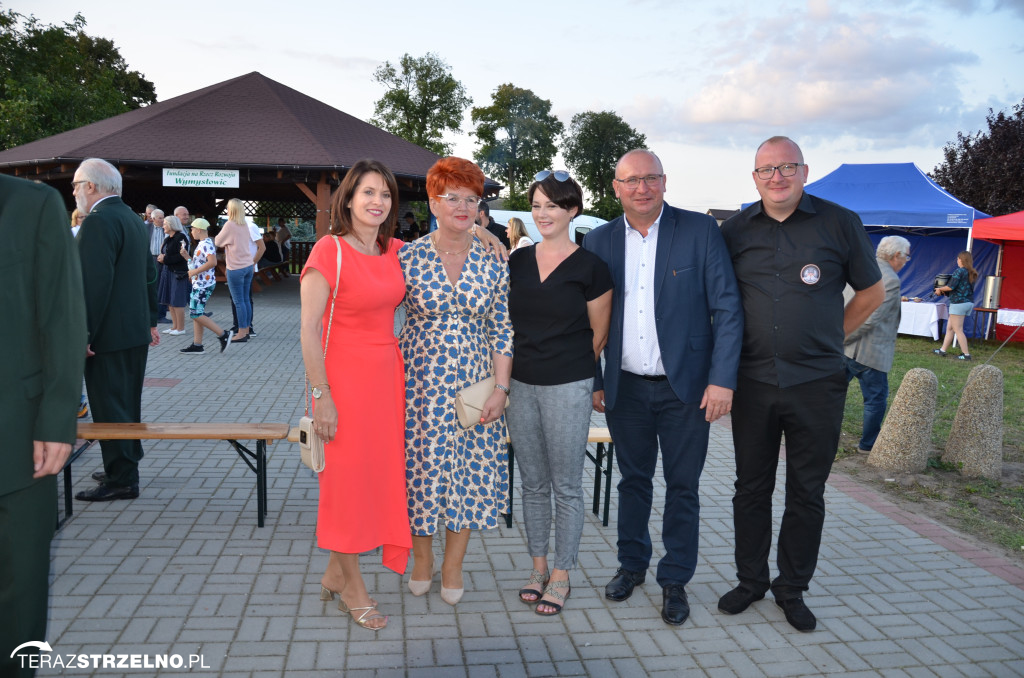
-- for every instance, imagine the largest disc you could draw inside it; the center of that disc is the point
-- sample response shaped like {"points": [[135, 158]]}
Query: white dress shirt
{"points": [[641, 353]]}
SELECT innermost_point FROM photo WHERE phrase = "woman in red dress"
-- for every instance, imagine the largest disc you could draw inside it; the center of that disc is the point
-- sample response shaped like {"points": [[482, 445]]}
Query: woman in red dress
{"points": [[358, 389]]}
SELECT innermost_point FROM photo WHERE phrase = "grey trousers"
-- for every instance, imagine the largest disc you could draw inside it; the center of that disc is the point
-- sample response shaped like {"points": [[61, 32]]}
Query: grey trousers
{"points": [[549, 426]]}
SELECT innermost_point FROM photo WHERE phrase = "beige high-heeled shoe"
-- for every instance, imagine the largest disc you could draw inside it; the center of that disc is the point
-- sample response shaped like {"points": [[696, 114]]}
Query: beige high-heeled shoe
{"points": [[419, 587], [451, 596]]}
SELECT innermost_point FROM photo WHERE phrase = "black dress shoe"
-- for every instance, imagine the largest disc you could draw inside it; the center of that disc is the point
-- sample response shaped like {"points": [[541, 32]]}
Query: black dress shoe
{"points": [[100, 476], [797, 614], [109, 493], [738, 599], [622, 584], [674, 608]]}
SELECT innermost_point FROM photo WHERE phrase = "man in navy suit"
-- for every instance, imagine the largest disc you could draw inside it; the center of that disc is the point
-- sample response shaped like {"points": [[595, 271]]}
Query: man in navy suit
{"points": [[669, 368]]}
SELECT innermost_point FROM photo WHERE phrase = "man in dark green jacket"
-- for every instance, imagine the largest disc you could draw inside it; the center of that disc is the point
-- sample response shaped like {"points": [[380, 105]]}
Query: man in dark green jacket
{"points": [[119, 279], [43, 349]]}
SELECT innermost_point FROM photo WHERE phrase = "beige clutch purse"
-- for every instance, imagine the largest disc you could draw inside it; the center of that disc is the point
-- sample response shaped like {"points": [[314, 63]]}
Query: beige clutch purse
{"points": [[469, 402]]}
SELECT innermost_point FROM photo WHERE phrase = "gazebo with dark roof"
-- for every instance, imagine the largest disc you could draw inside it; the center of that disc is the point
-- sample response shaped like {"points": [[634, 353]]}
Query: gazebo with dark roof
{"points": [[289, 149]]}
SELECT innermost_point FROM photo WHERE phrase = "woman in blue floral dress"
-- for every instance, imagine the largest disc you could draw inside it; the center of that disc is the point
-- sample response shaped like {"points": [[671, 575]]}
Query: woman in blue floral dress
{"points": [[457, 333]]}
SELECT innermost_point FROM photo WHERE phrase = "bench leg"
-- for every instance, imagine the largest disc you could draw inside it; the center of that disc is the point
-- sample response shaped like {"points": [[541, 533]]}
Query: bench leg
{"points": [[511, 483], [261, 481], [260, 469], [69, 507], [608, 483]]}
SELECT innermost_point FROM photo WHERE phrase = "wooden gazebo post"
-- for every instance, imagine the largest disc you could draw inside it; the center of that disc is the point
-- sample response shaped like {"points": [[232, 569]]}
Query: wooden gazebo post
{"points": [[322, 200]]}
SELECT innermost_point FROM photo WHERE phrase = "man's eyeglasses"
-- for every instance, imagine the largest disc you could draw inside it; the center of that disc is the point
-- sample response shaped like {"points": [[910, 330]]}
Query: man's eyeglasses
{"points": [[560, 175], [787, 170], [633, 183], [74, 184], [454, 201]]}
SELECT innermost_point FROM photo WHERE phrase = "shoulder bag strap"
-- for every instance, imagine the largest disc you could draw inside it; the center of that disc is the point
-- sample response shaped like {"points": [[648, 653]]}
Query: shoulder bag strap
{"points": [[307, 396]]}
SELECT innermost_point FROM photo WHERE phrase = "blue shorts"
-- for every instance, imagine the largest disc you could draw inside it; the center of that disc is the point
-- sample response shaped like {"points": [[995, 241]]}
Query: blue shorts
{"points": [[197, 302], [964, 309]]}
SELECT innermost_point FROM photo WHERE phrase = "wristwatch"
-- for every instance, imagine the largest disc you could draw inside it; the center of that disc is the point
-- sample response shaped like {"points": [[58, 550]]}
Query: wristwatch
{"points": [[316, 392]]}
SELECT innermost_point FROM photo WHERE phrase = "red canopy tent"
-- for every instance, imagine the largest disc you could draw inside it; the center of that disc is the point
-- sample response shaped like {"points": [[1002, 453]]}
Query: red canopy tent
{"points": [[1007, 231]]}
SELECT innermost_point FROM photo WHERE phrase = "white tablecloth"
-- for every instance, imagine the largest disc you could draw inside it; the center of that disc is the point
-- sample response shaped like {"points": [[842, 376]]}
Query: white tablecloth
{"points": [[1010, 316], [922, 318]]}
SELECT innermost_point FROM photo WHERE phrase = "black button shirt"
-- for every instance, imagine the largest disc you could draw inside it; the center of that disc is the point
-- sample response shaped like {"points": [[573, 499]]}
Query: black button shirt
{"points": [[791, 276]]}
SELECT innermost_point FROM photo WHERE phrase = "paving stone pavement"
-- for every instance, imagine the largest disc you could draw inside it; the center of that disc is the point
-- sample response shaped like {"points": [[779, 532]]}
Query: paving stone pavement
{"points": [[183, 569]]}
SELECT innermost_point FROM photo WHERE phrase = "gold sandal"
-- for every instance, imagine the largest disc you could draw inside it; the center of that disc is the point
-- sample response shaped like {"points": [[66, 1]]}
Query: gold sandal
{"points": [[369, 613], [536, 577]]}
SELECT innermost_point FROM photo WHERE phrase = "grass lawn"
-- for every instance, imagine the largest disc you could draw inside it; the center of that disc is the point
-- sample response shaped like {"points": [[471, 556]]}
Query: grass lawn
{"points": [[989, 510]]}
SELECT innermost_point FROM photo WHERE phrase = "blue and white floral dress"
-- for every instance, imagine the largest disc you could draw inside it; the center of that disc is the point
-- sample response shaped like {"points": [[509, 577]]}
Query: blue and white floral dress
{"points": [[450, 332]]}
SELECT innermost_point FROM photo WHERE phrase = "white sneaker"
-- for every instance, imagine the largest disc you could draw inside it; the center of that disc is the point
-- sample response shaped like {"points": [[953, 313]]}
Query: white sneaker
{"points": [[175, 332], [169, 330]]}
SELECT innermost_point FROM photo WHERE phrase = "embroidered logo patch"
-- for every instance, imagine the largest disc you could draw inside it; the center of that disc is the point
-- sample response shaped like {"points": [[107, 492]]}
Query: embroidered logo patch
{"points": [[810, 274]]}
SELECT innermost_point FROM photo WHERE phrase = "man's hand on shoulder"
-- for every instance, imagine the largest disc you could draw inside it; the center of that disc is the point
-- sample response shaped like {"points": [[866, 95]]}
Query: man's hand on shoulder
{"points": [[716, 403]]}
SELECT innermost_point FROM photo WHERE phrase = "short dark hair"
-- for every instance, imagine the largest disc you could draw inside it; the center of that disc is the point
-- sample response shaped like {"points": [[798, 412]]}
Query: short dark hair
{"points": [[408, 215], [566, 194], [484, 207]]}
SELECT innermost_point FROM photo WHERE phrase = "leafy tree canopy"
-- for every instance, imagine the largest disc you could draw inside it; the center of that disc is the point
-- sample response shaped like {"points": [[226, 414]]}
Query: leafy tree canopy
{"points": [[422, 102], [592, 146], [56, 78], [986, 169], [517, 135]]}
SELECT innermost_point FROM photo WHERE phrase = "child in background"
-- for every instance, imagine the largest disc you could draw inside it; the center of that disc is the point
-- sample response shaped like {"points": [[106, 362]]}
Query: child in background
{"points": [[200, 270]]}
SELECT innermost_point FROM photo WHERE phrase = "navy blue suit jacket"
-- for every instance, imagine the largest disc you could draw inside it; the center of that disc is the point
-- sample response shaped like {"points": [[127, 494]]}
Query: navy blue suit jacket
{"points": [[698, 312]]}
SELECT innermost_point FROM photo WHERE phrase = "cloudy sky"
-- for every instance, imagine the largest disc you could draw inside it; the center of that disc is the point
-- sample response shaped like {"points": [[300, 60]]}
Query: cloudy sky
{"points": [[852, 81]]}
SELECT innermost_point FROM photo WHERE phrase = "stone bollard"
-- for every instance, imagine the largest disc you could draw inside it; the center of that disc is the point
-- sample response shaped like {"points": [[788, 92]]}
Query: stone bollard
{"points": [[906, 437], [976, 440]]}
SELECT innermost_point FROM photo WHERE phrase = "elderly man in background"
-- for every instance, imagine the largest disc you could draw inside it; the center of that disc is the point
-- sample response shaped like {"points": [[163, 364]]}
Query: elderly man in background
{"points": [[155, 222], [870, 348], [44, 350], [119, 279]]}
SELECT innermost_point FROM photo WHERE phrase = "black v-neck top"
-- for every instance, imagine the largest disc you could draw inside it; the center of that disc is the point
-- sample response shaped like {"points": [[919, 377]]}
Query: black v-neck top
{"points": [[553, 341]]}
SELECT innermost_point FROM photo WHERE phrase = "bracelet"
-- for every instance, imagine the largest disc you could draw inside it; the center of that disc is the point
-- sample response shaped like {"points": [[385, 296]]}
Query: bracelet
{"points": [[323, 384], [503, 388]]}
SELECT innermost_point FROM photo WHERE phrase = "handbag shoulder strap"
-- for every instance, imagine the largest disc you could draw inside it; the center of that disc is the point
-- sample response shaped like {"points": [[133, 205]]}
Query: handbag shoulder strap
{"points": [[334, 296], [337, 282]]}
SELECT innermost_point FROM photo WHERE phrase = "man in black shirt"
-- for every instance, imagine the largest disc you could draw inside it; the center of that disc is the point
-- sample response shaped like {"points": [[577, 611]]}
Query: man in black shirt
{"points": [[793, 254], [483, 217]]}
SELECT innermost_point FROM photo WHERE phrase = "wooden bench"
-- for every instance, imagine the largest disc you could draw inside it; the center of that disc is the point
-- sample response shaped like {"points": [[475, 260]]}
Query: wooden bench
{"points": [[90, 432], [278, 272], [602, 456]]}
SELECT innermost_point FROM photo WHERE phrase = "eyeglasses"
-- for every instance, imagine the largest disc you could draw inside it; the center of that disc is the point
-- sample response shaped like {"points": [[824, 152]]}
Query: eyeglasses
{"points": [[787, 170], [906, 255], [633, 183], [560, 175], [75, 183], [454, 201]]}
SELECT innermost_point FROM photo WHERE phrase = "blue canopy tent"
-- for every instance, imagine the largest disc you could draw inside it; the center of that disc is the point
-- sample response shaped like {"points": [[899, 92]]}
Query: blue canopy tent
{"points": [[900, 199]]}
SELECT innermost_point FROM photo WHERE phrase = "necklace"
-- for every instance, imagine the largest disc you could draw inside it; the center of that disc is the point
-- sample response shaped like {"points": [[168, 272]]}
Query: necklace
{"points": [[433, 241], [371, 248]]}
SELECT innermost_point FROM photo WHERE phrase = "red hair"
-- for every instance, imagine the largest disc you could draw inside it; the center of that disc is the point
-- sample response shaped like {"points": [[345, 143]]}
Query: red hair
{"points": [[451, 173]]}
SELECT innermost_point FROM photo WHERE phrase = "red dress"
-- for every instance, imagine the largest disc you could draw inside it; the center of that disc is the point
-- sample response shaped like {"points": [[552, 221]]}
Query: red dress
{"points": [[362, 489]]}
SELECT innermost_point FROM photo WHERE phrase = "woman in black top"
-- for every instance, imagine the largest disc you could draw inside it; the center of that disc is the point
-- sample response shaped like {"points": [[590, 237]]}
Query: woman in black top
{"points": [[560, 301], [174, 286]]}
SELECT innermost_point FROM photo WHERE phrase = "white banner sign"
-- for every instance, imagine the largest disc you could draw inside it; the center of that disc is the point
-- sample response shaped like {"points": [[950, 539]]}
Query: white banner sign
{"points": [[176, 176]]}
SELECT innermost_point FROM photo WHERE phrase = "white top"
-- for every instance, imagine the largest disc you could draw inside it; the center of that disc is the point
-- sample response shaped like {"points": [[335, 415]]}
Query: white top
{"points": [[523, 242], [641, 353]]}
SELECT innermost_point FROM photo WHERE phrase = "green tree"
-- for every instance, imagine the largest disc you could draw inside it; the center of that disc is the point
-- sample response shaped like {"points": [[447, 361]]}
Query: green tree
{"points": [[517, 135], [422, 102], [592, 146], [56, 78], [986, 169]]}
